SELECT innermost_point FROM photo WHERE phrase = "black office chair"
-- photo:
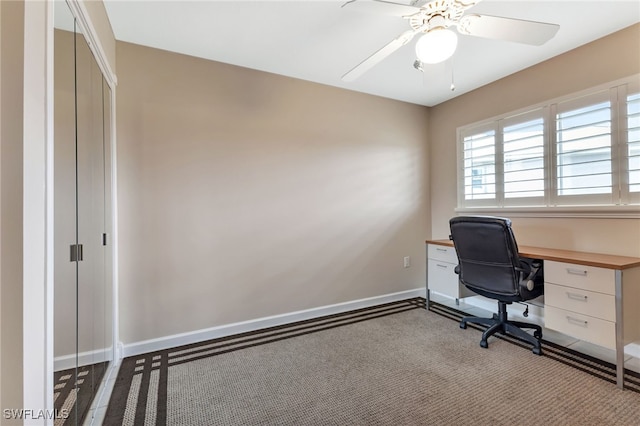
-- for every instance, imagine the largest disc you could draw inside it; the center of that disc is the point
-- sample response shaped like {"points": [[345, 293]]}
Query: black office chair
{"points": [[489, 265]]}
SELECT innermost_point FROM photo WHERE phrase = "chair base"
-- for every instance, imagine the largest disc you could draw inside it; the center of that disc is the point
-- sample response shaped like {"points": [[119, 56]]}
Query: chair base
{"points": [[500, 324]]}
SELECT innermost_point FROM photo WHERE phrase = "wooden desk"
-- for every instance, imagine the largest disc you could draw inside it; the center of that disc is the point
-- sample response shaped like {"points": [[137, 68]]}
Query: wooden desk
{"points": [[583, 293]]}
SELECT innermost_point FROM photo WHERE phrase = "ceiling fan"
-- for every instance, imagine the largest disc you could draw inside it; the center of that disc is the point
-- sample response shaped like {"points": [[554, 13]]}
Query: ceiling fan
{"points": [[438, 42]]}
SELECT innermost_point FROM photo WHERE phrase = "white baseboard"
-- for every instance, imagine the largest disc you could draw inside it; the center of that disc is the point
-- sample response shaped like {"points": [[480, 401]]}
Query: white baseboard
{"points": [[632, 349], [167, 342], [66, 362], [119, 352]]}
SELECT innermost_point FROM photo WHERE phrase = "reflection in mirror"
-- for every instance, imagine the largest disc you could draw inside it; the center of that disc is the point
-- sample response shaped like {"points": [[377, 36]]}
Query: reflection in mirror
{"points": [[82, 288], [90, 211], [107, 298], [62, 17], [65, 301]]}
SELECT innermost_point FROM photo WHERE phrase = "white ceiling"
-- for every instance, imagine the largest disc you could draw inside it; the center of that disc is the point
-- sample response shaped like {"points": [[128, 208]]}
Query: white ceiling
{"points": [[320, 41]]}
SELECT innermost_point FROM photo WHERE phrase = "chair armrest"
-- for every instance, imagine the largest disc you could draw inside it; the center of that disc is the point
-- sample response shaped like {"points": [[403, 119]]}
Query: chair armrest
{"points": [[532, 270]]}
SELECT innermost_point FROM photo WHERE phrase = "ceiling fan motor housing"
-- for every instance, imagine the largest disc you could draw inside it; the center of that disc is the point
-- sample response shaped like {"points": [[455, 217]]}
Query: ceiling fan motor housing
{"points": [[439, 14]]}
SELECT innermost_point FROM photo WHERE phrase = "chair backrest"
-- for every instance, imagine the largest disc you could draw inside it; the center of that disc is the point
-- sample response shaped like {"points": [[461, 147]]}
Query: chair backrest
{"points": [[487, 254]]}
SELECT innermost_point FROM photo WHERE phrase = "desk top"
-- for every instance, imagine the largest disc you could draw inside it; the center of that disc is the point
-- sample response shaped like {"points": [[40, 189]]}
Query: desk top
{"points": [[569, 256]]}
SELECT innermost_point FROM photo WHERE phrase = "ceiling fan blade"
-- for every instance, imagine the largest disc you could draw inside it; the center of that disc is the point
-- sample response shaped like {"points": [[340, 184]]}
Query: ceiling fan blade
{"points": [[517, 30], [377, 57], [382, 7]]}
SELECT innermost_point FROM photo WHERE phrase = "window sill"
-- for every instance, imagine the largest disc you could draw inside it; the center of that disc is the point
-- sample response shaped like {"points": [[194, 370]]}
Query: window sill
{"points": [[596, 212]]}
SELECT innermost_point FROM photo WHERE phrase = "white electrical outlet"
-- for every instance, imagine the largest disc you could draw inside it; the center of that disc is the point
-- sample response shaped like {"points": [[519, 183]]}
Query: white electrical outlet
{"points": [[407, 261]]}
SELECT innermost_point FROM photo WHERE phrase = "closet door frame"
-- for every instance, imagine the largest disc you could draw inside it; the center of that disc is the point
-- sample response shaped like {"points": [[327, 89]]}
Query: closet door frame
{"points": [[37, 204]]}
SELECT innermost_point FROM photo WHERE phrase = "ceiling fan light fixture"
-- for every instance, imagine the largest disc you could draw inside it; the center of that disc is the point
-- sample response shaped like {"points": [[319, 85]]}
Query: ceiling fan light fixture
{"points": [[436, 46]]}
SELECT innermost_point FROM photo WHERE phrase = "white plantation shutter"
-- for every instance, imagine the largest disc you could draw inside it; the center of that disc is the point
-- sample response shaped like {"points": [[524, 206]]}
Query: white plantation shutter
{"points": [[633, 141], [479, 167], [523, 151], [583, 145]]}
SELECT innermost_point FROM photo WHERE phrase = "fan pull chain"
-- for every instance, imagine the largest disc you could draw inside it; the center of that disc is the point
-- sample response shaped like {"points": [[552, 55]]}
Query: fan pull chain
{"points": [[453, 86]]}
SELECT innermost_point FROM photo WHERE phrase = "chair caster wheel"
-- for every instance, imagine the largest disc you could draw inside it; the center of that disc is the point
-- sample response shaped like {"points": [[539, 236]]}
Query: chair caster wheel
{"points": [[537, 351], [537, 335], [463, 325], [484, 344]]}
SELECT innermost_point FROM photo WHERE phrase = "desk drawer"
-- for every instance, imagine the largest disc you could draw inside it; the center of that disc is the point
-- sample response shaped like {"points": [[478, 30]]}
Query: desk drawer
{"points": [[572, 299], [442, 253], [443, 279], [588, 278], [583, 327]]}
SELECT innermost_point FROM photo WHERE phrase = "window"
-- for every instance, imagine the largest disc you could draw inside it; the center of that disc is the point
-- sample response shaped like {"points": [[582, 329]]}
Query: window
{"points": [[633, 141], [584, 150], [479, 166], [523, 157]]}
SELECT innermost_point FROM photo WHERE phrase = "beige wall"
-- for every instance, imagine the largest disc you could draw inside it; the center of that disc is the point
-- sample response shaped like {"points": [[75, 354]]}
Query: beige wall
{"points": [[244, 194], [1, 138], [11, 144], [613, 57]]}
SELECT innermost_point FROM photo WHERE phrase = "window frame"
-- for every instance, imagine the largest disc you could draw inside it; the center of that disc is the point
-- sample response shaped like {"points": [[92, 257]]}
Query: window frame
{"points": [[510, 121], [620, 200], [461, 175], [627, 197], [593, 98]]}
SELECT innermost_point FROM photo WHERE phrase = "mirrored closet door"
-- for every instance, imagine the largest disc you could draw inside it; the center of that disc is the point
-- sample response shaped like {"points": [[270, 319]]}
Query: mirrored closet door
{"points": [[83, 305]]}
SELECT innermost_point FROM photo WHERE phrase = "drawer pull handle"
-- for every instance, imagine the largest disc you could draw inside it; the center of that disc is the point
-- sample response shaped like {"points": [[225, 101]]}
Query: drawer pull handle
{"points": [[441, 266], [576, 296], [576, 321], [577, 272], [441, 249]]}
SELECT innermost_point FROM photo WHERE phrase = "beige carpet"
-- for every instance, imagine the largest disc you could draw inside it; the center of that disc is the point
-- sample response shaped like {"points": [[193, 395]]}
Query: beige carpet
{"points": [[412, 367]]}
